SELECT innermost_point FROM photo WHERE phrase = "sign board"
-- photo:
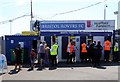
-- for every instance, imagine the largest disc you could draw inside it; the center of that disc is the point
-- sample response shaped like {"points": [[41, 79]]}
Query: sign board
{"points": [[22, 44], [100, 25], [29, 33], [62, 26], [77, 25]]}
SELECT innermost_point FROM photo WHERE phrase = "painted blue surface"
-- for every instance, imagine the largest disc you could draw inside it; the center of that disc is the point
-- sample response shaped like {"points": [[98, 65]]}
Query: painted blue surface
{"points": [[16, 39], [76, 33], [12, 41], [48, 40]]}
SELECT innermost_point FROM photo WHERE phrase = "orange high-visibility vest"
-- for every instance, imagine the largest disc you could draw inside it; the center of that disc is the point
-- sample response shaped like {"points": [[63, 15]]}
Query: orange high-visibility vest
{"points": [[107, 45], [84, 50], [72, 48]]}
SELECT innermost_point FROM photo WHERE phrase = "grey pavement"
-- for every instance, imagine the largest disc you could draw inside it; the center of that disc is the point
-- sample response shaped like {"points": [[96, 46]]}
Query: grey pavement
{"points": [[66, 73]]}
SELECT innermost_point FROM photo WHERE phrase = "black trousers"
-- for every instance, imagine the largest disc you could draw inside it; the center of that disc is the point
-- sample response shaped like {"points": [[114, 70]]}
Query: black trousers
{"points": [[73, 56], [106, 55], [68, 57], [54, 60], [96, 60], [84, 57], [116, 56]]}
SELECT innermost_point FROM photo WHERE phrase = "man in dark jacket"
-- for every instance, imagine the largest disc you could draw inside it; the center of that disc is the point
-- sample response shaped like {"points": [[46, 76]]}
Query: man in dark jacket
{"points": [[92, 51], [98, 54], [18, 57]]}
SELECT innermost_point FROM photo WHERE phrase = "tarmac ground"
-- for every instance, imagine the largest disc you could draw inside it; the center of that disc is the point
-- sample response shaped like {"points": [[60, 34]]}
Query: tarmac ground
{"points": [[78, 71]]}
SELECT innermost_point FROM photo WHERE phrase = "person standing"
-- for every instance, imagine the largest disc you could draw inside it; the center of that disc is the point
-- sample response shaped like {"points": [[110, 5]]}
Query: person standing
{"points": [[116, 52], [88, 50], [68, 52], [107, 45], [47, 54], [84, 52], [41, 55], [98, 54], [54, 53], [92, 52], [32, 59], [74, 50], [18, 57]]}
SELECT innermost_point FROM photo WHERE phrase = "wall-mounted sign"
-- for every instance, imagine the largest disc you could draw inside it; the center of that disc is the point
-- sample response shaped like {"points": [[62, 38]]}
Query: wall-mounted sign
{"points": [[77, 25], [62, 26], [100, 25]]}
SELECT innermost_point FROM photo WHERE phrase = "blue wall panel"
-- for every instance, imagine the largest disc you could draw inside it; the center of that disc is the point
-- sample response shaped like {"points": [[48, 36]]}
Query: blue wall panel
{"points": [[27, 40]]}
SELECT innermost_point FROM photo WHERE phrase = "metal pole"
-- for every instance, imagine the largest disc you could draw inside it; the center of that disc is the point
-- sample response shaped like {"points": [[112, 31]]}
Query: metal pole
{"points": [[104, 14], [31, 11], [39, 37], [105, 11], [10, 26], [39, 30]]}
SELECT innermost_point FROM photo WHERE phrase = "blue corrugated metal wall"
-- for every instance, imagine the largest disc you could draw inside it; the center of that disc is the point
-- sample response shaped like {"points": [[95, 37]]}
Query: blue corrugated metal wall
{"points": [[11, 42]]}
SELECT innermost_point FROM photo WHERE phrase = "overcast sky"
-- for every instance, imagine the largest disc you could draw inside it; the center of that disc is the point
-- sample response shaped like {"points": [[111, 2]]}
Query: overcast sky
{"points": [[45, 9]]}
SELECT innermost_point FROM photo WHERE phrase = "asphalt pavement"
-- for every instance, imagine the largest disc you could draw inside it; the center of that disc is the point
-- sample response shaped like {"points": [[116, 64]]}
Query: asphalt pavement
{"points": [[107, 71]]}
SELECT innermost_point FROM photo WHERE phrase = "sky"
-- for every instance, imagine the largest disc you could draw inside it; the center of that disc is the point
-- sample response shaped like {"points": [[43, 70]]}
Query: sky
{"points": [[46, 9]]}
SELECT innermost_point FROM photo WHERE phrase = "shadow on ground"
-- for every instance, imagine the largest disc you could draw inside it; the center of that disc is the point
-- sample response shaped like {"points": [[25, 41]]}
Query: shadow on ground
{"points": [[79, 64], [11, 72]]}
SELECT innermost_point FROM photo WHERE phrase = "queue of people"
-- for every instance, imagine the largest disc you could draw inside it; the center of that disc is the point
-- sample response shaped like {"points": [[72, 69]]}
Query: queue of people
{"points": [[45, 56], [92, 52], [48, 57]]}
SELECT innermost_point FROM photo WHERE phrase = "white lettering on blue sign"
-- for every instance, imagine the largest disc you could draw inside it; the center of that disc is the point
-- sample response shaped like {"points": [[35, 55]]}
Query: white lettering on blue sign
{"points": [[62, 26]]}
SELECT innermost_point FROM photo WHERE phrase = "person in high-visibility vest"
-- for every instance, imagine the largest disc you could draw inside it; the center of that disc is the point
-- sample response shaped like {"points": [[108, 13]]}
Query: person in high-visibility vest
{"points": [[54, 53], [84, 52], [116, 51], [107, 49], [72, 51]]}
